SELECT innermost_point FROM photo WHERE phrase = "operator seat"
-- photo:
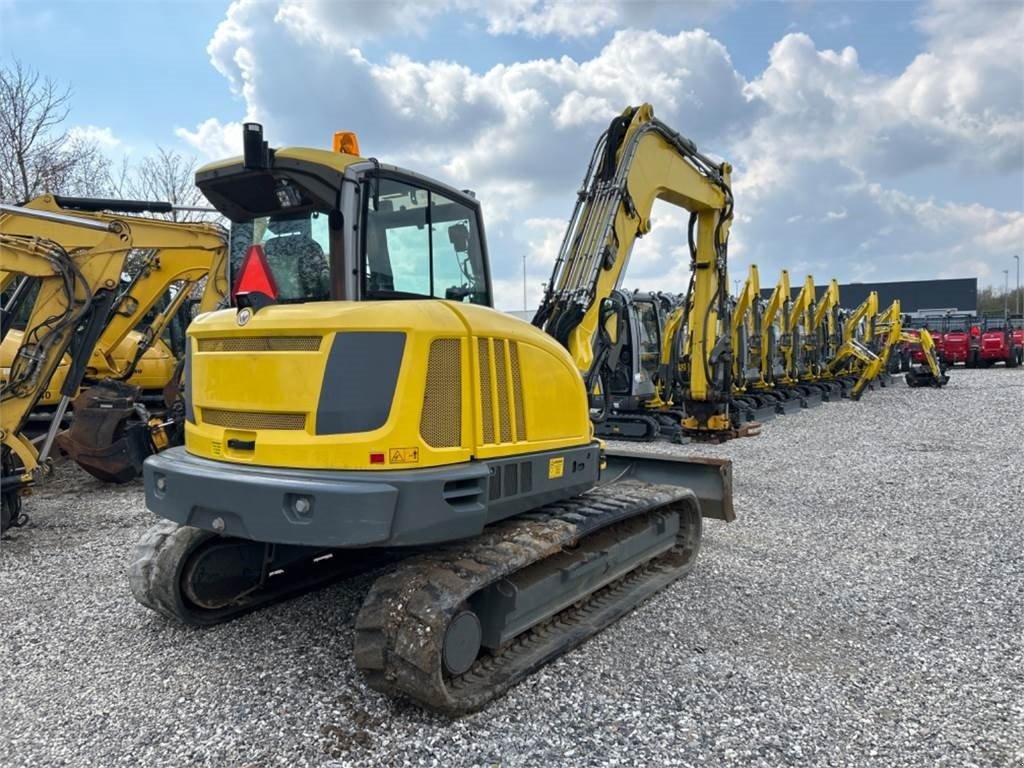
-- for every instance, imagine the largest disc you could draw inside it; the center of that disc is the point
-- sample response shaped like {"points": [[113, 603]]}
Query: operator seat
{"points": [[299, 266]]}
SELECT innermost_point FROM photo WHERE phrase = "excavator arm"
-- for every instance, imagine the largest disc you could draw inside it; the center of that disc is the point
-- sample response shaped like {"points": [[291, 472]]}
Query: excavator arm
{"points": [[871, 364], [742, 312], [826, 331], [854, 355], [638, 160], [798, 326], [932, 374], [76, 291], [864, 314], [181, 262], [777, 308]]}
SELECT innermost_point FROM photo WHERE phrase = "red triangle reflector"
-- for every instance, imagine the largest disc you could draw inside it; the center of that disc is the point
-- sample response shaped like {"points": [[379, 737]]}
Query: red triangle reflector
{"points": [[255, 276]]}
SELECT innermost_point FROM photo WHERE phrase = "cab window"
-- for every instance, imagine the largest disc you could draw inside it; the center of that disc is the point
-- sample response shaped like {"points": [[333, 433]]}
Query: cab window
{"points": [[296, 248], [420, 244]]}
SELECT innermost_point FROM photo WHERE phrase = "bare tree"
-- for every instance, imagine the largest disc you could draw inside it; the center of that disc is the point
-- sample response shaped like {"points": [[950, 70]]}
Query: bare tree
{"points": [[37, 154], [166, 176]]}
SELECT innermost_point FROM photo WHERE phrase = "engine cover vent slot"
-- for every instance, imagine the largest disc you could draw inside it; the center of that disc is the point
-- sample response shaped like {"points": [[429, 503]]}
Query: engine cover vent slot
{"points": [[501, 391], [261, 344], [252, 419]]}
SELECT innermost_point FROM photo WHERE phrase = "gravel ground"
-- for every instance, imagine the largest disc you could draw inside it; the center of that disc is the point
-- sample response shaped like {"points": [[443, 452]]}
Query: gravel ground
{"points": [[865, 609]]}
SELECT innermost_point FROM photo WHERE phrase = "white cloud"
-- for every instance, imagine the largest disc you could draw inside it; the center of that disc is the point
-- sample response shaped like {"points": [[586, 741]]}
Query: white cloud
{"points": [[213, 139], [821, 142], [104, 137]]}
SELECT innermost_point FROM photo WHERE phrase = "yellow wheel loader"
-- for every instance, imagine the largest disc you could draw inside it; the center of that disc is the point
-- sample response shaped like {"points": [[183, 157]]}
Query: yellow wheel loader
{"points": [[363, 400]]}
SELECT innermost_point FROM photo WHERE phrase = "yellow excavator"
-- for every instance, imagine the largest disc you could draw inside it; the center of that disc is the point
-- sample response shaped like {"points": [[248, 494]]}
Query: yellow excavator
{"points": [[753, 346], [64, 268], [775, 340], [362, 397], [889, 327], [856, 362], [848, 359]]}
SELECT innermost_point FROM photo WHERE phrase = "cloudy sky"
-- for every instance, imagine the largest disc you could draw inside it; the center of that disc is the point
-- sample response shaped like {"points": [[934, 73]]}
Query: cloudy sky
{"points": [[871, 140]]}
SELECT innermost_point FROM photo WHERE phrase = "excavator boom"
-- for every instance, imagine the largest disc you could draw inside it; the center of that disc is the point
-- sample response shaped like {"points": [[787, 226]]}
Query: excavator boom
{"points": [[638, 160]]}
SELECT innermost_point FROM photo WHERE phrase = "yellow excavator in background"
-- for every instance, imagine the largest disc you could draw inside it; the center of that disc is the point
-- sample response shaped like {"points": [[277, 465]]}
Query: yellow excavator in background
{"points": [[754, 349], [363, 396], [65, 269], [849, 360], [773, 328], [137, 346], [889, 327], [605, 224]]}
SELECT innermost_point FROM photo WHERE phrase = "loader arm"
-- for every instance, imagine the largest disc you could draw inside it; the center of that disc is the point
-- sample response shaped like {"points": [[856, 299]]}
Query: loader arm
{"points": [[638, 160]]}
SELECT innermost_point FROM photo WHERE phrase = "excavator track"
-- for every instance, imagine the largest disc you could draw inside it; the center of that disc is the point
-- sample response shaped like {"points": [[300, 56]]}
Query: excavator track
{"points": [[633, 427], [417, 622], [172, 572]]}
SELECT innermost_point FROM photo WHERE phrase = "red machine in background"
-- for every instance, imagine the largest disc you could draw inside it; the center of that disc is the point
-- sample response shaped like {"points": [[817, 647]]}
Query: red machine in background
{"points": [[1001, 342], [956, 340], [962, 338]]}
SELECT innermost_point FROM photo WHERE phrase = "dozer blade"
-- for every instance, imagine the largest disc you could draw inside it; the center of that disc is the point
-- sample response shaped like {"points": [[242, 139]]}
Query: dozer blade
{"points": [[458, 627], [109, 437]]}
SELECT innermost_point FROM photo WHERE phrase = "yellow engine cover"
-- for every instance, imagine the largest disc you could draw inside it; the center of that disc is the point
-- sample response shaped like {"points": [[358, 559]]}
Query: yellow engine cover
{"points": [[153, 370], [378, 386]]}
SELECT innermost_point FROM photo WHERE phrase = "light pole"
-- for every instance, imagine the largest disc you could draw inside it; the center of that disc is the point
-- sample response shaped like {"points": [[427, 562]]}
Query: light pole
{"points": [[1017, 259], [1006, 293], [524, 282]]}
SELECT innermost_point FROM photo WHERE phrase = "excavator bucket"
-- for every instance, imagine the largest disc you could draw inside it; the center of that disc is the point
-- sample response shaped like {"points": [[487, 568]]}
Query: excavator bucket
{"points": [[109, 436]]}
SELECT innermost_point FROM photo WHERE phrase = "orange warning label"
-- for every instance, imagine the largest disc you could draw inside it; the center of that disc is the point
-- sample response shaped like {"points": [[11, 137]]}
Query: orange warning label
{"points": [[403, 456]]}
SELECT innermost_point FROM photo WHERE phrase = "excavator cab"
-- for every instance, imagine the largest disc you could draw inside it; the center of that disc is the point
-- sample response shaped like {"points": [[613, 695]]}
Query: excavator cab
{"points": [[634, 405], [327, 225]]}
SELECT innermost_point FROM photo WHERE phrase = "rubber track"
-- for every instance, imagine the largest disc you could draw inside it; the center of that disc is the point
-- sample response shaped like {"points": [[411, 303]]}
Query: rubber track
{"points": [[652, 429], [161, 554], [155, 573], [400, 628]]}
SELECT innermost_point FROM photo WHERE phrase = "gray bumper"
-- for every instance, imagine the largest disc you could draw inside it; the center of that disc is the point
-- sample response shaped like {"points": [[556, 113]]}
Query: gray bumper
{"points": [[328, 508]]}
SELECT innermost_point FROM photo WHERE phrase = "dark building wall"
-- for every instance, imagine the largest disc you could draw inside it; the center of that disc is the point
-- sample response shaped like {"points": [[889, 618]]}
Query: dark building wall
{"points": [[914, 295]]}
